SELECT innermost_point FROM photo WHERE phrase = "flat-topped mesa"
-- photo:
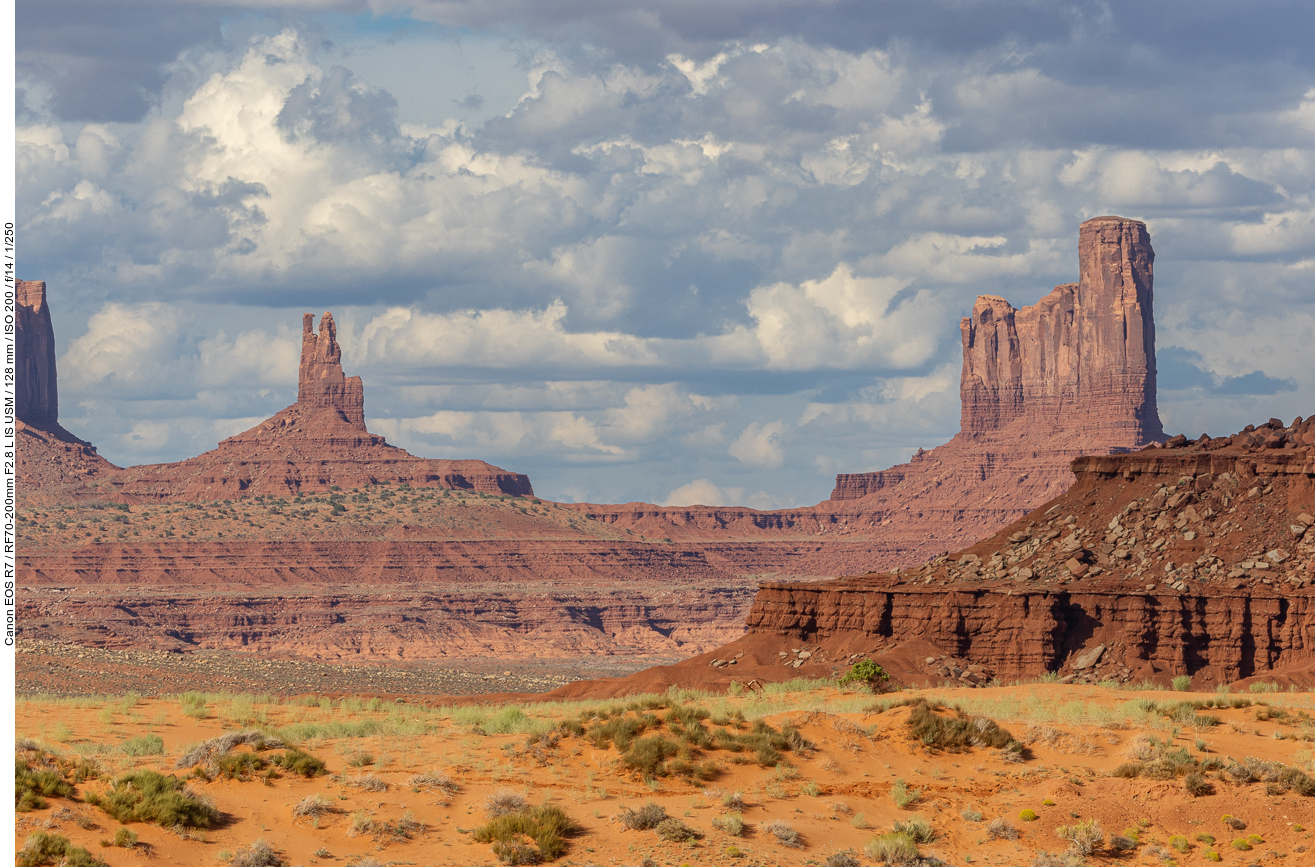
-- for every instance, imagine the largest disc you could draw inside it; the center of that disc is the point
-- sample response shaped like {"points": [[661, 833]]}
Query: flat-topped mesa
{"points": [[321, 383], [35, 389], [1083, 357]]}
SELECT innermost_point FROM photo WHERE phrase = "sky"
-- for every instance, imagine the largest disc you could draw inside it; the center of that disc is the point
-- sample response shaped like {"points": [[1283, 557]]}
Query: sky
{"points": [[669, 251]]}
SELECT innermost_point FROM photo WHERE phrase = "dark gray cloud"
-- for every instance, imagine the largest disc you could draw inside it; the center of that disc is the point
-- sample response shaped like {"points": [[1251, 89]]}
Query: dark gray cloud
{"points": [[1180, 369]]}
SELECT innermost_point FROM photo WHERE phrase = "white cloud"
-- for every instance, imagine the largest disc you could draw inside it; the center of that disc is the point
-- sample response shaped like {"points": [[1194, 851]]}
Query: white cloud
{"points": [[702, 492], [759, 445]]}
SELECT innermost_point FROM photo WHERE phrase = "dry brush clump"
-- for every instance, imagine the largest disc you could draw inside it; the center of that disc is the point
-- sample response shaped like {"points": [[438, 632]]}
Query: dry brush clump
{"points": [[528, 835], [42, 848], [148, 796], [939, 727], [503, 802], [644, 818], [313, 807], [784, 833], [258, 854]]}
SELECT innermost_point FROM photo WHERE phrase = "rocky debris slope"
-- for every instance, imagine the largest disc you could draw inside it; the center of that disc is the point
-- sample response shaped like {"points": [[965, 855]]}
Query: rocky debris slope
{"points": [[1196, 558], [312, 446], [48, 455]]}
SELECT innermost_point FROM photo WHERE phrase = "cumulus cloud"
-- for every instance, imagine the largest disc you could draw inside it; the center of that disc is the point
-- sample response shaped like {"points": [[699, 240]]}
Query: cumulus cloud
{"points": [[726, 245]]}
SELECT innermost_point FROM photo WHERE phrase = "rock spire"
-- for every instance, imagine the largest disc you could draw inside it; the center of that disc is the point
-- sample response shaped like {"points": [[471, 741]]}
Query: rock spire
{"points": [[35, 388], [321, 383], [1083, 357]]}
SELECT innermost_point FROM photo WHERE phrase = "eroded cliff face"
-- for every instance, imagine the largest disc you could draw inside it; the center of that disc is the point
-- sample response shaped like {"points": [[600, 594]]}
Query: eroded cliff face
{"points": [[1196, 558], [48, 455]]}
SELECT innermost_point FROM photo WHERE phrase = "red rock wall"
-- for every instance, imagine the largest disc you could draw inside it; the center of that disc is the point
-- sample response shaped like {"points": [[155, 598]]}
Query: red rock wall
{"points": [[35, 388], [321, 383]]}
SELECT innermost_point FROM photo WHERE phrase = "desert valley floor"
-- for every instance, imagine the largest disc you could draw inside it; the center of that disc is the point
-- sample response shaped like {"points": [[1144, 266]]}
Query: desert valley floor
{"points": [[804, 772]]}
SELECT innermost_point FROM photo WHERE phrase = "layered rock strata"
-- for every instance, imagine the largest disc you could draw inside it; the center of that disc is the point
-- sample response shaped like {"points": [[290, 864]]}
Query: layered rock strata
{"points": [[1197, 558]]}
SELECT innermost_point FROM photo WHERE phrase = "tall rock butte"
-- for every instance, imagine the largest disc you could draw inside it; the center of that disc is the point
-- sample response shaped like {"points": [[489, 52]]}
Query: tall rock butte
{"points": [[48, 455], [317, 443], [1073, 374]]}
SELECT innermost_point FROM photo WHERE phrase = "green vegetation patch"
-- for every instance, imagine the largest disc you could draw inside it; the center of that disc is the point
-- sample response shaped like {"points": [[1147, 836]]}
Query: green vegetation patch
{"points": [[42, 848], [944, 728], [529, 835], [148, 796]]}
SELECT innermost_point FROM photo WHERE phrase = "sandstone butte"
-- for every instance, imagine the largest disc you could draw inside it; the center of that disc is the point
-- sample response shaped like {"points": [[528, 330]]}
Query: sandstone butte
{"points": [[1071, 375]]}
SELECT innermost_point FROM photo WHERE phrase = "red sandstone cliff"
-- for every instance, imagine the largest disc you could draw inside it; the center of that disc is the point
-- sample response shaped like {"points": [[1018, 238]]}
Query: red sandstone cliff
{"points": [[48, 455]]}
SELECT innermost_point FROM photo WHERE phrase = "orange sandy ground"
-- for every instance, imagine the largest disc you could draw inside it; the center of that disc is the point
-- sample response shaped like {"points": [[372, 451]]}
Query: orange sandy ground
{"points": [[859, 757]]}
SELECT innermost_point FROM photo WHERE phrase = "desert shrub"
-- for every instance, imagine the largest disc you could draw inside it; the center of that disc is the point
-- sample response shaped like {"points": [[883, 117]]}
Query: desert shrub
{"points": [[239, 766], [841, 859], [42, 848], [546, 826], [1001, 829], [733, 800], [784, 833], [434, 780], [1119, 843], [258, 854], [368, 783], [645, 818], [971, 816], [124, 838], [675, 831], [1027, 815], [1083, 837], [732, 823], [359, 759], [892, 849], [1234, 822], [1211, 855], [1241, 845], [1207, 839], [1180, 843], [958, 732], [1182, 683], [208, 752], [1196, 785], [504, 801], [148, 796], [649, 755], [867, 673], [312, 807], [902, 795], [359, 824], [916, 827], [30, 785], [303, 764], [143, 745]]}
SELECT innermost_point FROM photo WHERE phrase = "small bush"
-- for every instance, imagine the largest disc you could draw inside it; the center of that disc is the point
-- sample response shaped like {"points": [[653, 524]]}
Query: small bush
{"points": [[312, 807], [916, 827], [675, 831], [867, 673], [124, 838], [1119, 843], [1196, 785], [148, 796], [1211, 855], [1241, 845], [208, 753], [892, 848], [958, 732], [902, 795], [42, 848], [1207, 839], [239, 766], [258, 854], [368, 783], [303, 764], [546, 827], [1001, 829], [732, 824], [1182, 683], [434, 780], [504, 802], [645, 818], [30, 785], [1028, 815], [733, 800], [784, 833], [971, 816], [1083, 837], [1180, 843], [841, 859]]}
